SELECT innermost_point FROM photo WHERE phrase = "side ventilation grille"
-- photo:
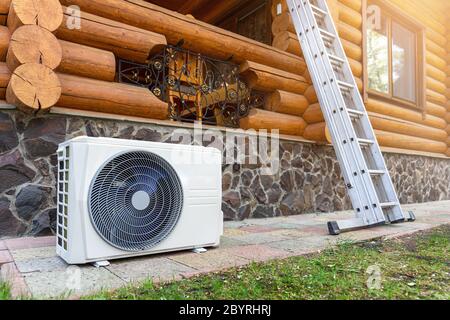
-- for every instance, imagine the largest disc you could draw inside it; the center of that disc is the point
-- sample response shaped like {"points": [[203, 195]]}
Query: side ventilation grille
{"points": [[63, 196]]}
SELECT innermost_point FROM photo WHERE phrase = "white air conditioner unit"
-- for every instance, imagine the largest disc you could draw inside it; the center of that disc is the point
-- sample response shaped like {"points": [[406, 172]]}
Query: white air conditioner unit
{"points": [[121, 198]]}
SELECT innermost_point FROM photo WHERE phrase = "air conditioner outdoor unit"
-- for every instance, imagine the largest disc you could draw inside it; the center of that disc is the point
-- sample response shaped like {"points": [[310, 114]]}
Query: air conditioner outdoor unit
{"points": [[120, 198]]}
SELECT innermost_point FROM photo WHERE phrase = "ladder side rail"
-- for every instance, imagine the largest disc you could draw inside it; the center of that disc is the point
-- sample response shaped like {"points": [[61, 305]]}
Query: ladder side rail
{"points": [[366, 124], [354, 194], [365, 184]]}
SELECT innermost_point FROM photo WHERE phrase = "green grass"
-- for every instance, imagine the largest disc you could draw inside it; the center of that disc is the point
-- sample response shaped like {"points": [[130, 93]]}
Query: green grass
{"points": [[416, 267], [5, 292]]}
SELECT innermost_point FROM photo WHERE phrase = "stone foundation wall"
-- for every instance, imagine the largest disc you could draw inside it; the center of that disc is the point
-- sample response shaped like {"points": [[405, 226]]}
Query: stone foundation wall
{"points": [[308, 181]]}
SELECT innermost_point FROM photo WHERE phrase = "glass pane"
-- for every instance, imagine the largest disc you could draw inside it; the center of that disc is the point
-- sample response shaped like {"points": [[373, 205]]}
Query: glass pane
{"points": [[378, 56], [404, 62]]}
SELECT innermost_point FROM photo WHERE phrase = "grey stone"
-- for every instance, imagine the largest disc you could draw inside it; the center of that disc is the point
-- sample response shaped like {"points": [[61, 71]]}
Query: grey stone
{"points": [[148, 135], [43, 135], [8, 134], [232, 198], [31, 199], [13, 171], [228, 213], [9, 225], [44, 224], [226, 182], [247, 178], [263, 211], [287, 181]]}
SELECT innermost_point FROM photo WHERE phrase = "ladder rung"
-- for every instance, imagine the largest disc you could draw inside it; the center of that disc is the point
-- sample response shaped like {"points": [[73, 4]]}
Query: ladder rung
{"points": [[327, 34], [365, 142], [376, 172], [355, 113], [388, 204], [318, 11], [337, 59], [345, 85]]}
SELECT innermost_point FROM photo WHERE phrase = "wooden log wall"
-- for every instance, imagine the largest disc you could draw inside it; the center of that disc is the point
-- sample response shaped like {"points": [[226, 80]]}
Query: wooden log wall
{"points": [[395, 124], [45, 62], [447, 92]]}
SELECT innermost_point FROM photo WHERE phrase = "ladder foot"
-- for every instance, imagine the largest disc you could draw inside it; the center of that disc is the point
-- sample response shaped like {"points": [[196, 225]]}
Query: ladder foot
{"points": [[412, 216], [333, 228]]}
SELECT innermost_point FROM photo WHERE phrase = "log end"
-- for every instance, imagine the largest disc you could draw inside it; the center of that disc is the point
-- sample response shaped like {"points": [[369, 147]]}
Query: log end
{"points": [[33, 87]]}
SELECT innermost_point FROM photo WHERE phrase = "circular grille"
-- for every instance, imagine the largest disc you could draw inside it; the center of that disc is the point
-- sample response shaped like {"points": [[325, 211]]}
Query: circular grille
{"points": [[135, 201]]}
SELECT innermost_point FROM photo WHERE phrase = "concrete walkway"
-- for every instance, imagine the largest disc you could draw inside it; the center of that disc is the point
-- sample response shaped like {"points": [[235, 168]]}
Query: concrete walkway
{"points": [[33, 269]]}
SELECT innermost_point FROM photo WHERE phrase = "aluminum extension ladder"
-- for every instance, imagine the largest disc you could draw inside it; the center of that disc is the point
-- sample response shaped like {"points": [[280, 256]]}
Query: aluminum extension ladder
{"points": [[368, 182]]}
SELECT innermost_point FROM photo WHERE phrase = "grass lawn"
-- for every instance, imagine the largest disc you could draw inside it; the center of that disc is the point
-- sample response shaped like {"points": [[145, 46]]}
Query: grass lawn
{"points": [[416, 267], [4, 291]]}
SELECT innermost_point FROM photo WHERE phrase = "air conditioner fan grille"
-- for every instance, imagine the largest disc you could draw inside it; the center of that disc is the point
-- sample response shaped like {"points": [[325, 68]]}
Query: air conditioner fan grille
{"points": [[135, 201]]}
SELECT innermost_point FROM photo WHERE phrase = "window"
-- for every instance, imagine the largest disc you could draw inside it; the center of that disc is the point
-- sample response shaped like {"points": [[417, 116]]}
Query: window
{"points": [[394, 55]]}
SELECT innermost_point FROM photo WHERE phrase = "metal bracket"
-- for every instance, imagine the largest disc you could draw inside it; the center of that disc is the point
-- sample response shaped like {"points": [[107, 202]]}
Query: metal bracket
{"points": [[101, 264]]}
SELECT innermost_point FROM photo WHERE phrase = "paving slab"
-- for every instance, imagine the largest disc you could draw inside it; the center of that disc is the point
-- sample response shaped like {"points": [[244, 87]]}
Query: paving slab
{"points": [[261, 238], [215, 259], [30, 243], [227, 242], [258, 253], [36, 253], [32, 267], [71, 281], [41, 265], [5, 257], [159, 269]]}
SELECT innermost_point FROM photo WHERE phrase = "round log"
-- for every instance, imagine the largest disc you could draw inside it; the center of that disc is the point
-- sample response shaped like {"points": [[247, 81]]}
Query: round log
{"points": [[448, 129], [33, 87], [197, 35], [404, 113], [33, 44], [288, 42], [435, 85], [310, 95], [47, 14], [110, 97], [354, 4], [435, 109], [5, 37], [262, 119], [435, 48], [350, 16], [316, 132], [352, 50], [87, 62], [286, 102], [267, 79], [436, 73], [436, 97], [5, 76], [349, 33], [313, 114], [283, 23], [401, 141], [124, 41], [388, 124], [436, 61]]}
